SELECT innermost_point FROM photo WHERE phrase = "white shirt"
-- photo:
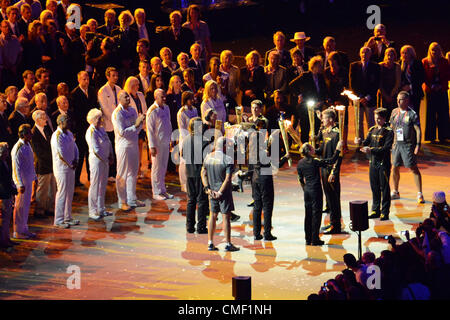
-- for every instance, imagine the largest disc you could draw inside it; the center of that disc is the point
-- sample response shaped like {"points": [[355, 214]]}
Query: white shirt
{"points": [[100, 147], [142, 31], [217, 105], [22, 164], [145, 82], [108, 104], [64, 150], [184, 115], [126, 135], [159, 127]]}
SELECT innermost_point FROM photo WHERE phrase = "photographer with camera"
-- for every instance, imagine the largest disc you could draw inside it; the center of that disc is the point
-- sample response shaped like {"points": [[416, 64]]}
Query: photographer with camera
{"points": [[378, 43]]}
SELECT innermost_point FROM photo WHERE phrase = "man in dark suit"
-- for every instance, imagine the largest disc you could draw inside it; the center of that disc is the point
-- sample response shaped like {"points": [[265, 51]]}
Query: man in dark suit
{"points": [[25, 20], [279, 40], [46, 184], [61, 13], [11, 96], [145, 28], [144, 75], [7, 192], [309, 87], [157, 68], [13, 19], [110, 23], [378, 43], [177, 38], [5, 129], [364, 81], [82, 99], [329, 46], [19, 117], [197, 64], [62, 103]]}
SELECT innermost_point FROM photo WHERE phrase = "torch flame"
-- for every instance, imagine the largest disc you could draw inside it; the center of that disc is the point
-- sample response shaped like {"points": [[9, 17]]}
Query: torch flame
{"points": [[340, 108], [350, 95]]}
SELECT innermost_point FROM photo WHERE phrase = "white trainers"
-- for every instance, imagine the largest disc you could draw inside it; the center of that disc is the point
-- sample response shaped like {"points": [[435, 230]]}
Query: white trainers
{"points": [[395, 195], [159, 197], [95, 216], [168, 195], [420, 198]]}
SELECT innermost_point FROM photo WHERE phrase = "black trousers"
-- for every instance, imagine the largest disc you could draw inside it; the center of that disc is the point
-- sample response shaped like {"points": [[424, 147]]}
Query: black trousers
{"points": [[437, 114], [263, 195], [313, 213], [113, 167], [381, 192], [196, 196], [333, 195], [83, 153]]}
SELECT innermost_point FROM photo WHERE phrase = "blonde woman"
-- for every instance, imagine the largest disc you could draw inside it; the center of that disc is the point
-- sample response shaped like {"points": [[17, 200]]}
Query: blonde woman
{"points": [[212, 99], [137, 101], [412, 76], [253, 79], [390, 78], [437, 76], [100, 158], [227, 66]]}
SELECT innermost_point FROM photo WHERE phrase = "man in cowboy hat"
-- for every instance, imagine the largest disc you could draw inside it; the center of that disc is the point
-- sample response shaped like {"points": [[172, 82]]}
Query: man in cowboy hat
{"points": [[300, 38]]}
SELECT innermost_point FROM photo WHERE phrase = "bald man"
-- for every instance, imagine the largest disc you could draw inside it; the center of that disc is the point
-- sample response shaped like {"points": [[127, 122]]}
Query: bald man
{"points": [[127, 125], [159, 131]]}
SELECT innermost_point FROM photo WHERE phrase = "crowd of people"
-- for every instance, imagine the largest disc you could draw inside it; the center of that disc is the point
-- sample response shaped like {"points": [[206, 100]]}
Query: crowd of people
{"points": [[414, 269], [102, 96]]}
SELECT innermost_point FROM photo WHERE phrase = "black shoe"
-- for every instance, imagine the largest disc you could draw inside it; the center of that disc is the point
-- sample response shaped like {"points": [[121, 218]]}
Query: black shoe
{"points": [[230, 247], [332, 230], [326, 210], [234, 217], [258, 237], [269, 238], [374, 215], [50, 213], [251, 204], [211, 247], [384, 217], [318, 243], [190, 230], [308, 243], [202, 231]]}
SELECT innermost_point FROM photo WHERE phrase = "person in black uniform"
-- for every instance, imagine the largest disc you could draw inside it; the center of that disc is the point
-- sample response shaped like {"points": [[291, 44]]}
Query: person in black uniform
{"points": [[195, 192], [329, 136], [377, 145], [262, 180], [309, 178]]}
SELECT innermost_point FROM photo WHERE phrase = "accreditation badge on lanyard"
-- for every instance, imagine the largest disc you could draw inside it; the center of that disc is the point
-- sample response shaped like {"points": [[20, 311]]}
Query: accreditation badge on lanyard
{"points": [[400, 122]]}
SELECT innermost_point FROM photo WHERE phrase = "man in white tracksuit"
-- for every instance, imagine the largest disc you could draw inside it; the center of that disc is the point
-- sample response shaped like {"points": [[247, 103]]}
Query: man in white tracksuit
{"points": [[127, 125], [100, 157], [65, 161], [23, 176], [159, 131]]}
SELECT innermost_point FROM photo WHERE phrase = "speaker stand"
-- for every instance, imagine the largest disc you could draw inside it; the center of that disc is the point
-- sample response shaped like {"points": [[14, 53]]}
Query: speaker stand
{"points": [[359, 246]]}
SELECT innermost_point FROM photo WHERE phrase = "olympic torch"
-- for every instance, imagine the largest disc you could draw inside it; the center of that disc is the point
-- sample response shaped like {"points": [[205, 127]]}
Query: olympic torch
{"points": [[285, 139], [341, 118], [238, 114], [355, 101], [312, 121], [294, 134]]}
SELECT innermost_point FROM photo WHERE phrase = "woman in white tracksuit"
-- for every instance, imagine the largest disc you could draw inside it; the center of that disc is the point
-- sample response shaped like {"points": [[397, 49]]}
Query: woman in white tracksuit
{"points": [[100, 157]]}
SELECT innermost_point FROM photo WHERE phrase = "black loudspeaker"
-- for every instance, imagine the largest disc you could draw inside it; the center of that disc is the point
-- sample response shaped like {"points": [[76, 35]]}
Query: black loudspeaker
{"points": [[359, 215], [242, 288]]}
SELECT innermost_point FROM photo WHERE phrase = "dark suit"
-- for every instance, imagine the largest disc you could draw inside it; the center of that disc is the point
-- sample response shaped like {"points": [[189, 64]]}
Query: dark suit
{"points": [[165, 77], [285, 61], [342, 57], [378, 56], [23, 27], [415, 76], [15, 120], [306, 86], [61, 17], [141, 86], [199, 71], [103, 29], [101, 63], [126, 41], [307, 54], [42, 150], [7, 189], [80, 106], [56, 113], [256, 83], [181, 44], [5, 135], [365, 84]]}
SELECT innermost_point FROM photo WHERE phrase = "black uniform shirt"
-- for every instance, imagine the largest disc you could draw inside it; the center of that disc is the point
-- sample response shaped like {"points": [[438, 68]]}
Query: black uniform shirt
{"points": [[308, 171], [330, 139], [380, 142]]}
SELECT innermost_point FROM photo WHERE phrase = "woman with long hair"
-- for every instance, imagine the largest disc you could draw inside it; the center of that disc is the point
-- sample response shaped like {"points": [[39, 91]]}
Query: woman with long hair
{"points": [[156, 82], [212, 99], [390, 78], [413, 76], [137, 101], [437, 76]]}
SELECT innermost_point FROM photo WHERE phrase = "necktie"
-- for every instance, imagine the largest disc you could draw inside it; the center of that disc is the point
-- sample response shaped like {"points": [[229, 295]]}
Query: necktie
{"points": [[115, 95]]}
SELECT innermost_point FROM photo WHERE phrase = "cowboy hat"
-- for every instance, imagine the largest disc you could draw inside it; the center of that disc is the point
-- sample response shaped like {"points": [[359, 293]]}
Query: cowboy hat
{"points": [[299, 36]]}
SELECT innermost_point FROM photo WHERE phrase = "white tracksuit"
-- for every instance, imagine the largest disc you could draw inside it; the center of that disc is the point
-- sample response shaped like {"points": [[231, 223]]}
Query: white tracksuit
{"points": [[100, 149], [159, 131], [23, 176], [127, 152], [64, 153], [184, 115]]}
